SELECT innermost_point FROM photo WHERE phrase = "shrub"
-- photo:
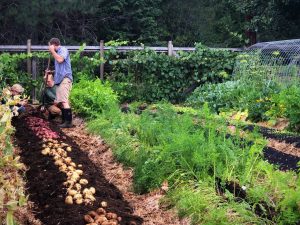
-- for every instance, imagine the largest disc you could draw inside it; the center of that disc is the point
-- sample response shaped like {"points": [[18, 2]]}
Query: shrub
{"points": [[90, 98]]}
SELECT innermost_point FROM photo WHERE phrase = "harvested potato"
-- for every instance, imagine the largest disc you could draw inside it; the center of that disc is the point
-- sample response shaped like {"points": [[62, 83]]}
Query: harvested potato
{"points": [[78, 196], [73, 164], [79, 172], [68, 160], [72, 192], [111, 216], [78, 186], [69, 149], [103, 204], [101, 211], [88, 219], [100, 219], [79, 201], [93, 214], [83, 181], [91, 197], [92, 190], [86, 191], [46, 151], [69, 200]]}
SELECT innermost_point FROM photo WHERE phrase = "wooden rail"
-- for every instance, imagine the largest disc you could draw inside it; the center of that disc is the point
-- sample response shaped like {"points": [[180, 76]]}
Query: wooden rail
{"points": [[72, 48]]}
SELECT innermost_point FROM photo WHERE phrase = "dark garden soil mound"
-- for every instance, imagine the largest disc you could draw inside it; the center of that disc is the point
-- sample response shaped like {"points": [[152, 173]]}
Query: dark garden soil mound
{"points": [[45, 182], [283, 150], [277, 135], [282, 160]]}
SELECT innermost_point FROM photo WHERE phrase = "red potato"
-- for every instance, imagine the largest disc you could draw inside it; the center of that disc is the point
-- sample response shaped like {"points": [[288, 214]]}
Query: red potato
{"points": [[88, 219], [93, 214]]}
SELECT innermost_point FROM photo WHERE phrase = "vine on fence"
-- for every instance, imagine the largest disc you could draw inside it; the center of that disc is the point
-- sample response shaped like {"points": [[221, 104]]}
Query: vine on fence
{"points": [[150, 76], [137, 75]]}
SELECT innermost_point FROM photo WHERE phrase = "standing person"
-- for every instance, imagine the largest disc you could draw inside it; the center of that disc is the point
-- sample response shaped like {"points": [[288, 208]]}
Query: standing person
{"points": [[63, 79]]}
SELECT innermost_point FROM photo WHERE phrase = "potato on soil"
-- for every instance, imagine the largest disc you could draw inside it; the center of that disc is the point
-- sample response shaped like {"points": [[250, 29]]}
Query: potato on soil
{"points": [[78, 186], [86, 191], [68, 160], [69, 200], [77, 196], [101, 211], [90, 197], [92, 214], [79, 172], [111, 215], [100, 219], [92, 190], [83, 181], [79, 201], [72, 192], [103, 204], [69, 149], [88, 219]]}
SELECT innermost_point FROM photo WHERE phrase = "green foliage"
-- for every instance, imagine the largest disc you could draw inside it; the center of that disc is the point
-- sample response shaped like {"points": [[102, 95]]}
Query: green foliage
{"points": [[251, 90], [218, 96], [89, 98], [85, 67], [12, 194], [204, 206], [287, 104], [149, 76], [11, 71], [254, 97]]}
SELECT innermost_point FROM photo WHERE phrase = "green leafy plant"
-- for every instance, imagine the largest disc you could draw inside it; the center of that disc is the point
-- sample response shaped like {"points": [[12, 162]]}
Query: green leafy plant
{"points": [[89, 98]]}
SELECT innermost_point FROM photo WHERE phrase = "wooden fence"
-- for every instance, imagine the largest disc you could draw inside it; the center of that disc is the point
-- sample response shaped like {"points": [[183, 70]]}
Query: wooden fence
{"points": [[31, 64]]}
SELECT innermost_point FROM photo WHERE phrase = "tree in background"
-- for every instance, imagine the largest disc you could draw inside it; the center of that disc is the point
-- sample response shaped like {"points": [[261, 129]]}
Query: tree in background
{"points": [[217, 23]]}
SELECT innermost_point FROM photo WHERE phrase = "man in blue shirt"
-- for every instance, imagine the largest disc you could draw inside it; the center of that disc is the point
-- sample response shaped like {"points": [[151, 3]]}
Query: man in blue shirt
{"points": [[62, 79]]}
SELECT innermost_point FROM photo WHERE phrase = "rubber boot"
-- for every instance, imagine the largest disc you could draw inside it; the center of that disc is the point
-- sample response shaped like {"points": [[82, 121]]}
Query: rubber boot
{"points": [[63, 113], [67, 115]]}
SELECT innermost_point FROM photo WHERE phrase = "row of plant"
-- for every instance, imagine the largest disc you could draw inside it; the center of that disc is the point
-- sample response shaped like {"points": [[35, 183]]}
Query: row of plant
{"points": [[12, 195], [137, 75], [213, 177], [257, 89]]}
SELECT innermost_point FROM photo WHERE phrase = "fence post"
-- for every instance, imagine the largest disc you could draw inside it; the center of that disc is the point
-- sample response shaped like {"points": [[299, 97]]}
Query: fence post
{"points": [[34, 75], [28, 60], [102, 56], [170, 48]]}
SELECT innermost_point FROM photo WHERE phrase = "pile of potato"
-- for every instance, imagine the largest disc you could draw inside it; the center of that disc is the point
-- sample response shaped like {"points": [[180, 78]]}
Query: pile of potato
{"points": [[101, 217], [74, 184]]}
